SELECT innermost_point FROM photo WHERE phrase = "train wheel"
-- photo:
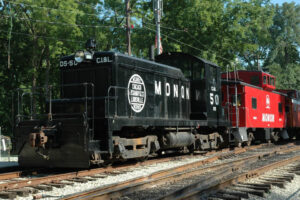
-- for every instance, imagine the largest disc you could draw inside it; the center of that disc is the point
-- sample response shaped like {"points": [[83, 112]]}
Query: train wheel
{"points": [[275, 136], [106, 164], [238, 144], [191, 149], [142, 159], [250, 139]]}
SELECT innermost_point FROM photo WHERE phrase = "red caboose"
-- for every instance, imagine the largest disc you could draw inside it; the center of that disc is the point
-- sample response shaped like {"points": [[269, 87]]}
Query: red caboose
{"points": [[253, 107]]}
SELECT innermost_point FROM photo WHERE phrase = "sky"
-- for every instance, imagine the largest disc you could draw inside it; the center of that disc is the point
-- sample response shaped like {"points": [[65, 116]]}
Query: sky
{"points": [[282, 1]]}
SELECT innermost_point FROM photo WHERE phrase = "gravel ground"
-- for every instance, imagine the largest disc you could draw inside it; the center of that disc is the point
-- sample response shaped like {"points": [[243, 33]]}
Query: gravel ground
{"points": [[133, 173]]}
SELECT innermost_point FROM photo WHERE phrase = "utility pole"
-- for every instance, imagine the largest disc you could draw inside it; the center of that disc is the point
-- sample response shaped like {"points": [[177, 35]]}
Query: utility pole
{"points": [[128, 10], [9, 37], [158, 7]]}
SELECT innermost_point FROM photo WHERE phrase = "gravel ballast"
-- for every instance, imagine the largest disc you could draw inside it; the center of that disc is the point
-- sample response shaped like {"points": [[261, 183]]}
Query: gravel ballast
{"points": [[116, 178]]}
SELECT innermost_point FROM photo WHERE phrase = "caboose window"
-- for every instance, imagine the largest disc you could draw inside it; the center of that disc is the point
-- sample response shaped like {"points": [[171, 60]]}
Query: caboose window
{"points": [[280, 107], [198, 71], [265, 80], [272, 81], [254, 103], [213, 74], [238, 100]]}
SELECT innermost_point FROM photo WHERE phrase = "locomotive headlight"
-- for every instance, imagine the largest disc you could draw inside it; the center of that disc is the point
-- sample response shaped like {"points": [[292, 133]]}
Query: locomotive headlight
{"points": [[79, 56]]}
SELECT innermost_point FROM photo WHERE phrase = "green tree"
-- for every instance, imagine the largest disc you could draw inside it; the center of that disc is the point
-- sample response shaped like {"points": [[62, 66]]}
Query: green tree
{"points": [[285, 33]]}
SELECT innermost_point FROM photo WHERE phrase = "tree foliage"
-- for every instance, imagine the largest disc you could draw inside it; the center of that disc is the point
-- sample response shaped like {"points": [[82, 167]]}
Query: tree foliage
{"points": [[251, 34]]}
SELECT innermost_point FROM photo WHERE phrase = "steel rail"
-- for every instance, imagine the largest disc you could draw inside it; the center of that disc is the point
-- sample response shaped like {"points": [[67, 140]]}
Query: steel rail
{"points": [[11, 175], [163, 176]]}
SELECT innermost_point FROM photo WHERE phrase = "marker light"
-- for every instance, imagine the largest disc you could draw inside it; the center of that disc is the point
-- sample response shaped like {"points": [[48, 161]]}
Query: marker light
{"points": [[88, 55], [79, 56]]}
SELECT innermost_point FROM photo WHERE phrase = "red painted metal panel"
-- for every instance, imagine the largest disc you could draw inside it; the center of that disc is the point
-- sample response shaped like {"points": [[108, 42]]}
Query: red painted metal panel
{"points": [[266, 114]]}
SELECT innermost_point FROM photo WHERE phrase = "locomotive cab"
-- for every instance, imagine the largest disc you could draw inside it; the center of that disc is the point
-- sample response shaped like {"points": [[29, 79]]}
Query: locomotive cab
{"points": [[205, 81]]}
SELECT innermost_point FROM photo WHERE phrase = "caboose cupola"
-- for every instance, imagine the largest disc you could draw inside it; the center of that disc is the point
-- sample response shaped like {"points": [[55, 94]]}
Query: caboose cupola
{"points": [[257, 78]]}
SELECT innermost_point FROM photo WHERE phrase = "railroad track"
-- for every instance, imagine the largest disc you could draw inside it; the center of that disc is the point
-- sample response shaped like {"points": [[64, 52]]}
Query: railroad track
{"points": [[24, 182], [38, 182], [228, 184], [145, 187]]}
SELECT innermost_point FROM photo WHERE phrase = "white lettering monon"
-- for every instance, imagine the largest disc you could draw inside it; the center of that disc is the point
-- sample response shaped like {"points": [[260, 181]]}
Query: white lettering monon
{"points": [[187, 93], [268, 117], [168, 89], [182, 92], [157, 86], [175, 87]]}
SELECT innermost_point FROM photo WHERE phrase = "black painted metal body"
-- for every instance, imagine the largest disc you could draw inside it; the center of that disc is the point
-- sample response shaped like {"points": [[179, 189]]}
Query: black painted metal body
{"points": [[105, 99]]}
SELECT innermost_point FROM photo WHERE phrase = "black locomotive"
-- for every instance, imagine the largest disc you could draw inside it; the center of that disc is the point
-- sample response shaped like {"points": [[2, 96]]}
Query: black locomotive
{"points": [[111, 106]]}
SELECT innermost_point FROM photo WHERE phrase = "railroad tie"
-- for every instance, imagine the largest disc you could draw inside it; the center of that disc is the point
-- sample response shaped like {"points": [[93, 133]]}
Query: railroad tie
{"points": [[269, 186], [260, 193], [295, 171], [57, 185], [226, 196], [99, 176], [214, 198], [235, 193], [241, 194], [68, 182], [43, 187], [89, 178], [255, 187], [23, 192], [273, 179], [8, 195], [32, 190], [79, 180], [275, 183], [284, 178], [114, 173]]}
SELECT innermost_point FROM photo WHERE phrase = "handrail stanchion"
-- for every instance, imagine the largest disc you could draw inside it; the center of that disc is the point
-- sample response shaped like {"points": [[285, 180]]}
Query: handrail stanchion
{"points": [[93, 107], [50, 103], [85, 93]]}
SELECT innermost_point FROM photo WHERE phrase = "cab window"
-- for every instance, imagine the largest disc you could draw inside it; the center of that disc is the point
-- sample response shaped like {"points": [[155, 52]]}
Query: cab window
{"points": [[280, 107], [198, 71], [254, 103], [265, 80]]}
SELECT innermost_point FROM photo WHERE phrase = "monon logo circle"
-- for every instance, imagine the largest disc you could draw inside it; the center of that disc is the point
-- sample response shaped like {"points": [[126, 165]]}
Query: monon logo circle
{"points": [[136, 93]]}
